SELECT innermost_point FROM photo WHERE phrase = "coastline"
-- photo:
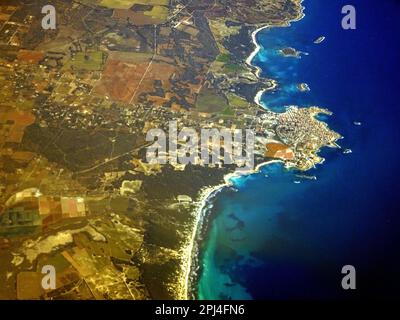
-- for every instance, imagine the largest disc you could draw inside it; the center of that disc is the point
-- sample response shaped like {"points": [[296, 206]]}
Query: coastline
{"points": [[257, 48], [188, 252], [200, 228], [206, 196]]}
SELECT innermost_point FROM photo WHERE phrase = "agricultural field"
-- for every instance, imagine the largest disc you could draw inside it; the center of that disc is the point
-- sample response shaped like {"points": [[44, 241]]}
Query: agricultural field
{"points": [[89, 61], [237, 101], [129, 75], [127, 4], [211, 102], [141, 12], [6, 12]]}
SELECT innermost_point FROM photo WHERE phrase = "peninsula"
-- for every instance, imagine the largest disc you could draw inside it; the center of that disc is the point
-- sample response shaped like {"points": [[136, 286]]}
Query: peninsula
{"points": [[76, 191]]}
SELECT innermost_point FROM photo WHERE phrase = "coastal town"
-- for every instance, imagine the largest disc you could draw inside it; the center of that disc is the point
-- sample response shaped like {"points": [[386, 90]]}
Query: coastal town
{"points": [[76, 104]]}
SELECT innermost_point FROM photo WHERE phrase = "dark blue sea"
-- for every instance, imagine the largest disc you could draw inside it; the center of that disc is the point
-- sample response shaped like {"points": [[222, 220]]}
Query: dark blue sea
{"points": [[276, 239]]}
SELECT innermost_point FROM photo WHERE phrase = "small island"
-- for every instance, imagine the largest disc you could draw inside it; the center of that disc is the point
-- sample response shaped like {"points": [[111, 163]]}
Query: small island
{"points": [[290, 52], [319, 40], [303, 87]]}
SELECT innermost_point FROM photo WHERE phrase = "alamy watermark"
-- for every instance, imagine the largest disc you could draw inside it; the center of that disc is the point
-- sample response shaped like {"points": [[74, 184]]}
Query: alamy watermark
{"points": [[49, 20], [209, 147], [49, 280], [349, 21], [349, 280]]}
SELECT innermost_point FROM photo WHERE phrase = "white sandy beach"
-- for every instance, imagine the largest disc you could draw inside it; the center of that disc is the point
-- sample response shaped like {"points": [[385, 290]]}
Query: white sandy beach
{"points": [[257, 48], [208, 193], [189, 249]]}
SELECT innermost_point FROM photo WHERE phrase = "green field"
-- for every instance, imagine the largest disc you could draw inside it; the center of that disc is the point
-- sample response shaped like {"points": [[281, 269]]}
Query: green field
{"points": [[126, 4], [91, 61], [233, 68], [224, 57], [158, 12], [210, 102], [131, 57], [237, 101], [228, 111]]}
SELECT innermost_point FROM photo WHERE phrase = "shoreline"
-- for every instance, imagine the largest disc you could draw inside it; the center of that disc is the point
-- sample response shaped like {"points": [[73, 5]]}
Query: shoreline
{"points": [[188, 252], [204, 204], [207, 195], [257, 48]]}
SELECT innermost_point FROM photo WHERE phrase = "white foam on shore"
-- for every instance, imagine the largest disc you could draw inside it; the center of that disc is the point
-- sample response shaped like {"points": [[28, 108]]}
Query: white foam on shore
{"points": [[257, 98], [241, 173], [189, 250], [208, 193], [257, 48]]}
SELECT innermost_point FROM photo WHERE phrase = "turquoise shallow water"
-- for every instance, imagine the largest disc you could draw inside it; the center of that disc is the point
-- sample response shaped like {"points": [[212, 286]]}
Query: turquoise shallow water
{"points": [[276, 239]]}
